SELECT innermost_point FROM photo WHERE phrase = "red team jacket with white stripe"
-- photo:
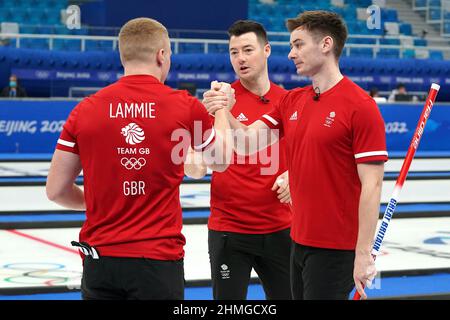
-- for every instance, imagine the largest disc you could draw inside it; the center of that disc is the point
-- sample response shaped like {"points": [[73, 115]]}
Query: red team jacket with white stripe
{"points": [[129, 137], [241, 197], [325, 141]]}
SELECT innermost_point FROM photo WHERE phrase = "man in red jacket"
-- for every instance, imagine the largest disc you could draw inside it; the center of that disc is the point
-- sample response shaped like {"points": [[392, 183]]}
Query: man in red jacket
{"points": [[122, 138], [250, 217], [336, 147]]}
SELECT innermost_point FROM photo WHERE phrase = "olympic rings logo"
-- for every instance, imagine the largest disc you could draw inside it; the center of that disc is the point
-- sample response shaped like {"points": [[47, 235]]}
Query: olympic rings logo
{"points": [[49, 274], [133, 163]]}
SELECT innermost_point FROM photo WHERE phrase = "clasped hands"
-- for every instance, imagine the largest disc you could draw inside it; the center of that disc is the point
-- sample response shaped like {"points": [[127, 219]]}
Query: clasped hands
{"points": [[220, 96]]}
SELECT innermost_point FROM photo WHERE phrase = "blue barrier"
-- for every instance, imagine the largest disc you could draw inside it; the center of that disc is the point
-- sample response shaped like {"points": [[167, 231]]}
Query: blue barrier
{"points": [[227, 75], [31, 126], [46, 73], [401, 121], [34, 126]]}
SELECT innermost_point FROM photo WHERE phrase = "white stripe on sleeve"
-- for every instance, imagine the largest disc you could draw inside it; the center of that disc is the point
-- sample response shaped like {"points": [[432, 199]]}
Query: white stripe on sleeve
{"points": [[66, 143], [370, 154], [208, 141], [272, 120]]}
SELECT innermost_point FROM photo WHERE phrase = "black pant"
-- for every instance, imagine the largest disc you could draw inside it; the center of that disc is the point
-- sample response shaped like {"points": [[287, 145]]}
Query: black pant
{"points": [[321, 274], [233, 255], [111, 278]]}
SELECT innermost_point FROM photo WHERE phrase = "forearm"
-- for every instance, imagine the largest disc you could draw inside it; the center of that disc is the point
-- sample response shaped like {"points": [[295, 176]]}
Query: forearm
{"points": [[219, 157], [71, 198], [248, 140], [369, 206], [235, 124], [241, 135]]}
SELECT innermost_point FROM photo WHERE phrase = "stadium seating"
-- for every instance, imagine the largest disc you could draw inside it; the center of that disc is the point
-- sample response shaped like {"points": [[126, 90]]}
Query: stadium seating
{"points": [[100, 56], [273, 16], [436, 55], [361, 52], [420, 3], [409, 53], [42, 17], [218, 48], [388, 53], [67, 45], [191, 47], [406, 29], [420, 42], [435, 14], [37, 16]]}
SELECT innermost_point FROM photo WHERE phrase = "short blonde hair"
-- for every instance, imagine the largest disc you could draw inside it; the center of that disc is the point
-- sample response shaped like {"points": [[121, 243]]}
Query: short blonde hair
{"points": [[139, 38]]}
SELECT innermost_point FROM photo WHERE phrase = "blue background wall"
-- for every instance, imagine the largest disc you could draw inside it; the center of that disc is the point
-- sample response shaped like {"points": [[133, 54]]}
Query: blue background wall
{"points": [[178, 14]]}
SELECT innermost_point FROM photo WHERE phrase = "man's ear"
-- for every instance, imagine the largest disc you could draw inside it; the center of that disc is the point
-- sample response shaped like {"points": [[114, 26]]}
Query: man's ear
{"points": [[327, 44], [160, 57], [267, 50]]}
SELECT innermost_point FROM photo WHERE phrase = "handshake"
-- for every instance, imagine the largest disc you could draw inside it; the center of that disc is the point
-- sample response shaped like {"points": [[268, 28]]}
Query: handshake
{"points": [[220, 96]]}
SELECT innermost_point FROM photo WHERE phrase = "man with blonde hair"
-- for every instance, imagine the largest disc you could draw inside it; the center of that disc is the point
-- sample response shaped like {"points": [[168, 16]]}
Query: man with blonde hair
{"points": [[123, 139]]}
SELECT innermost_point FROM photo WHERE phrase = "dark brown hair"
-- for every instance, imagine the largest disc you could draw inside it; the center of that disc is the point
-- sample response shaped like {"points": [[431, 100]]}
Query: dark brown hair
{"points": [[322, 23], [244, 26]]}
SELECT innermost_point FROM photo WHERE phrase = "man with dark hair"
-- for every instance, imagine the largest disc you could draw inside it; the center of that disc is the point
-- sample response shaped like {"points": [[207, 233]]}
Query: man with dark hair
{"points": [[400, 94], [250, 217], [321, 24], [336, 152], [241, 27]]}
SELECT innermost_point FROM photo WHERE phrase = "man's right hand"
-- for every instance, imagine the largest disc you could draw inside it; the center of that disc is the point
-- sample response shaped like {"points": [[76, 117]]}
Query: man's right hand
{"points": [[364, 272], [220, 96]]}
